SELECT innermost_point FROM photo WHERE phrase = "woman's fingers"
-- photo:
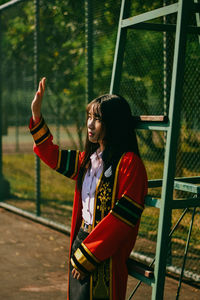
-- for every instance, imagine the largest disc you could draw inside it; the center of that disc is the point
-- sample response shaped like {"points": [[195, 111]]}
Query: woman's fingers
{"points": [[41, 89], [43, 85], [76, 274], [37, 97]]}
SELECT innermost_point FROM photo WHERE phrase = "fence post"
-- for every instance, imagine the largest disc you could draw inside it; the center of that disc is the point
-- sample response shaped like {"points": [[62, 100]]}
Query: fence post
{"points": [[36, 80], [89, 49], [4, 184]]}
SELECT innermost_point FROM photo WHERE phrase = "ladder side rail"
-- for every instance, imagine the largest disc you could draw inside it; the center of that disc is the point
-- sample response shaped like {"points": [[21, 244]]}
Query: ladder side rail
{"points": [[171, 148], [119, 48], [188, 202]]}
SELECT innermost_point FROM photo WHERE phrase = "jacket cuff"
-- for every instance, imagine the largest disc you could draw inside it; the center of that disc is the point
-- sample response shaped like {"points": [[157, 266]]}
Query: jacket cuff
{"points": [[83, 260], [40, 132]]}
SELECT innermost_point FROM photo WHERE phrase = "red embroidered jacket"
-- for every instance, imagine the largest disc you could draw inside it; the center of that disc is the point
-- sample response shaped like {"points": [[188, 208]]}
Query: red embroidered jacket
{"points": [[119, 202]]}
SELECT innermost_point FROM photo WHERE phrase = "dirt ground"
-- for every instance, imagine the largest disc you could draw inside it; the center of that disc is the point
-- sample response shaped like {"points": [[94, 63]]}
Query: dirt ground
{"points": [[33, 264]]}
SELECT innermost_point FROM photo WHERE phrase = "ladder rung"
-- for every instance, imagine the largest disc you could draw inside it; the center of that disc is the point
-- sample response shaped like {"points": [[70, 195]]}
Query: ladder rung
{"points": [[157, 13], [140, 271], [151, 122], [154, 183], [159, 126], [186, 186], [152, 202], [183, 203], [193, 179], [151, 118], [9, 4]]}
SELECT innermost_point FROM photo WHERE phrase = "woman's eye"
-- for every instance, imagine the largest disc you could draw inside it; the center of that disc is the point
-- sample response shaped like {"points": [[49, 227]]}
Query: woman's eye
{"points": [[90, 117], [97, 119]]}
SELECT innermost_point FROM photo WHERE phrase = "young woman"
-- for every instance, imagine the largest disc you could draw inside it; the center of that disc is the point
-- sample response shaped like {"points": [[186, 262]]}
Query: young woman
{"points": [[111, 184]]}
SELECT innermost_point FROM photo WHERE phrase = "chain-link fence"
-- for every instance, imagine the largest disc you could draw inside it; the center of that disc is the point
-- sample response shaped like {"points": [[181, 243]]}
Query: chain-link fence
{"points": [[145, 83]]}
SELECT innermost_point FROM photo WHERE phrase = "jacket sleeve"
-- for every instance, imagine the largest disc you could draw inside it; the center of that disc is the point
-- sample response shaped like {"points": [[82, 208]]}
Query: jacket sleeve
{"points": [[66, 162], [120, 224]]}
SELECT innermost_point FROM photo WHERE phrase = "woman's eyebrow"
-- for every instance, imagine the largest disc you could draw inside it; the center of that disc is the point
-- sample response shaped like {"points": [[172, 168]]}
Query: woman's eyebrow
{"points": [[97, 115]]}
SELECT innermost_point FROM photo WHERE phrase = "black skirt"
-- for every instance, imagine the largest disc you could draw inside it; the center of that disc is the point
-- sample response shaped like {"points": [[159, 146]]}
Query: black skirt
{"points": [[78, 289]]}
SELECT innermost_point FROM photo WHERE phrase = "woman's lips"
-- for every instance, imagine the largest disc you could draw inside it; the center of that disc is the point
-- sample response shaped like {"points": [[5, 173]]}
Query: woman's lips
{"points": [[90, 133]]}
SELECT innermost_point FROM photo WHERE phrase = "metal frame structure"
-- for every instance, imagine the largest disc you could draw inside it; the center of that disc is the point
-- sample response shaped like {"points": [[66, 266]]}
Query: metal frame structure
{"points": [[183, 9]]}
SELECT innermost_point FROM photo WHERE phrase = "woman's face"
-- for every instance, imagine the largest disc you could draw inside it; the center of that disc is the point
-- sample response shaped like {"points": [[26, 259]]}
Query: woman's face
{"points": [[95, 128]]}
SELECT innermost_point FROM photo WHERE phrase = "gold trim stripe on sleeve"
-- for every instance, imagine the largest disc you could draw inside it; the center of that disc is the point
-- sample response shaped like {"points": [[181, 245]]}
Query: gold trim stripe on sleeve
{"points": [[115, 182], [90, 253], [95, 201], [76, 165], [91, 287], [37, 125], [83, 261], [40, 133], [43, 140], [111, 277], [59, 160], [133, 202], [122, 219]]}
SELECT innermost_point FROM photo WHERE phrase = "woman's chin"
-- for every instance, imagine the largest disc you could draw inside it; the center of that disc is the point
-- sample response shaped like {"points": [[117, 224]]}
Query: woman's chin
{"points": [[92, 140]]}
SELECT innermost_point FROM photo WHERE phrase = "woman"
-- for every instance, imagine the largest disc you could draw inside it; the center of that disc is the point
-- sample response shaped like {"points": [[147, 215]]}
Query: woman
{"points": [[111, 184]]}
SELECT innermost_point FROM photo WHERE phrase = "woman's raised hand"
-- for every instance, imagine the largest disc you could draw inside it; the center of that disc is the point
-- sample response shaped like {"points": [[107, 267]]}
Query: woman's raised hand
{"points": [[37, 101]]}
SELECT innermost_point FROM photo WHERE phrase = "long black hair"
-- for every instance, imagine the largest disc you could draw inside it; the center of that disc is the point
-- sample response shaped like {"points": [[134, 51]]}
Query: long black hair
{"points": [[118, 126]]}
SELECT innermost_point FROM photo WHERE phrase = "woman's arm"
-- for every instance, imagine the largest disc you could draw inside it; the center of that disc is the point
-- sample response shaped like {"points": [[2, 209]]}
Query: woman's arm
{"points": [[66, 162]]}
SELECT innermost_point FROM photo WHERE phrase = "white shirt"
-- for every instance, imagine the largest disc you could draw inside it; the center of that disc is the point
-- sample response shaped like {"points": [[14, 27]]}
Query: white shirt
{"points": [[89, 186]]}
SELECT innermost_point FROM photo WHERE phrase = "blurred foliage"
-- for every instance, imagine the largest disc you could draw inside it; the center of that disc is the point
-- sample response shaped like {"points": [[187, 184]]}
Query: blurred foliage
{"points": [[62, 61]]}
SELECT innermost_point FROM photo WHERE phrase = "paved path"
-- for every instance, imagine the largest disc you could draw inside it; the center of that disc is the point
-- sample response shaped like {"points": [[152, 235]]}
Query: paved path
{"points": [[33, 264]]}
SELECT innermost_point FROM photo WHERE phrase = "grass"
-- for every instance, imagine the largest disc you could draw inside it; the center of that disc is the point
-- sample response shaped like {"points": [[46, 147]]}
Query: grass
{"points": [[57, 191]]}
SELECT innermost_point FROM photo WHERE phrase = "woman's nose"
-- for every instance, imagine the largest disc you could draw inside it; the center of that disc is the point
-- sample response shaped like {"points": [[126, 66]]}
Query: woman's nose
{"points": [[91, 123]]}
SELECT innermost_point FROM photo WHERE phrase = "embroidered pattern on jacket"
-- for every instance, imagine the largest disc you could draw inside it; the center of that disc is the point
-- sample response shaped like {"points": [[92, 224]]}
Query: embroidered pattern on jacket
{"points": [[104, 198], [101, 279]]}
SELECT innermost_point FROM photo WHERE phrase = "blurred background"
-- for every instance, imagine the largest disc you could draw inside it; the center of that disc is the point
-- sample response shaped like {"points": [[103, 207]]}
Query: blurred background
{"points": [[53, 39]]}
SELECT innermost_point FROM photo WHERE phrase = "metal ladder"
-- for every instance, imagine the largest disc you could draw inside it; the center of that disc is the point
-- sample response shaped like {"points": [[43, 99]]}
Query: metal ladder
{"points": [[170, 125]]}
